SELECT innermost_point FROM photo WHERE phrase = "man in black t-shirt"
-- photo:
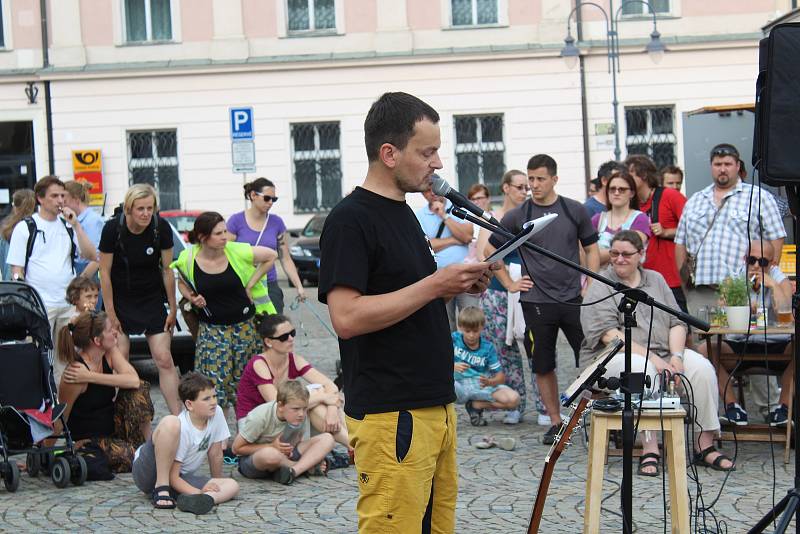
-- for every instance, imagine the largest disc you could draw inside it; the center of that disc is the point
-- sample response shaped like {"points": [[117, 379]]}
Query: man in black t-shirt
{"points": [[387, 304], [551, 304]]}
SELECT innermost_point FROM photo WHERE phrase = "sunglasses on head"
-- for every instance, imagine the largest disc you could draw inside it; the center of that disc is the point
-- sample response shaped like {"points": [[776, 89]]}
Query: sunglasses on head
{"points": [[762, 262], [267, 198], [724, 151], [285, 337]]}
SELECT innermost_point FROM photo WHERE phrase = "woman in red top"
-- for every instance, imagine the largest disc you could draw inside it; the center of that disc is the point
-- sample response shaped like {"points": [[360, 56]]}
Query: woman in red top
{"points": [[278, 363]]}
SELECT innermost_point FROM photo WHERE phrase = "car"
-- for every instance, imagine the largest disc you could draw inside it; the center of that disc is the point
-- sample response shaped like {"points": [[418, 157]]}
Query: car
{"points": [[182, 341], [182, 220], [305, 250]]}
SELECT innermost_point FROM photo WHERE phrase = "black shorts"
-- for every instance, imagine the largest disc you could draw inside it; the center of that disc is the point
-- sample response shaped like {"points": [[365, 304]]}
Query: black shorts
{"points": [[145, 315], [543, 321]]}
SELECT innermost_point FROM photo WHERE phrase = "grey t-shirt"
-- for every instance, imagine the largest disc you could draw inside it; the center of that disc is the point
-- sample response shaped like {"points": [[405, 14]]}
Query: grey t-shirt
{"points": [[561, 237]]}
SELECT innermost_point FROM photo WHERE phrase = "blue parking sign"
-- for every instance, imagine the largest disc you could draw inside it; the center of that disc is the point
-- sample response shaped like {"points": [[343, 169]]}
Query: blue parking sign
{"points": [[241, 123]]}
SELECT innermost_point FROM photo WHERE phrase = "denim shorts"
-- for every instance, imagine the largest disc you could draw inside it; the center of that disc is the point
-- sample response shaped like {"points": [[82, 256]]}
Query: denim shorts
{"points": [[470, 389]]}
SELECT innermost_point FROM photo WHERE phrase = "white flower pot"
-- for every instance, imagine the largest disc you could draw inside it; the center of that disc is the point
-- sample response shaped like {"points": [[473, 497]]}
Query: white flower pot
{"points": [[738, 317]]}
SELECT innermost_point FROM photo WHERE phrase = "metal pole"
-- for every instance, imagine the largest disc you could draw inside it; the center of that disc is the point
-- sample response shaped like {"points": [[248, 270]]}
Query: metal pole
{"points": [[614, 59]]}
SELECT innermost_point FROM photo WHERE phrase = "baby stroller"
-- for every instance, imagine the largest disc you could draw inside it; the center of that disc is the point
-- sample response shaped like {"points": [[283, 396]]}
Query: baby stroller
{"points": [[28, 392]]}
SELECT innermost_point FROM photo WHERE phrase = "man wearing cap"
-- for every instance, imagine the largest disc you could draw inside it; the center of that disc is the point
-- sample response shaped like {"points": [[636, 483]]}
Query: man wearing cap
{"points": [[718, 223]]}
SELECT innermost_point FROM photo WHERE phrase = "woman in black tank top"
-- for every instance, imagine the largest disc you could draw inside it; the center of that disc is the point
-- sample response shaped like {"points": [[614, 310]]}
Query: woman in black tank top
{"points": [[117, 422]]}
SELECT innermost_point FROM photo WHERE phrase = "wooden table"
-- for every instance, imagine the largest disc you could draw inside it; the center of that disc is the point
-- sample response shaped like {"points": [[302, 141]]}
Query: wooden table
{"points": [[753, 431]]}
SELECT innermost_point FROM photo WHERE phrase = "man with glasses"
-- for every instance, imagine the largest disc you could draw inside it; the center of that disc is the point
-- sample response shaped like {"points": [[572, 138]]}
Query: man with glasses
{"points": [[603, 323], [596, 203], [718, 223], [771, 290], [664, 206], [552, 303]]}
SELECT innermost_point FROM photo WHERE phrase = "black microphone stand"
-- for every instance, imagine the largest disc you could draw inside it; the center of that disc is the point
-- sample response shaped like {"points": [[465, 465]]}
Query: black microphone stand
{"points": [[630, 383]]}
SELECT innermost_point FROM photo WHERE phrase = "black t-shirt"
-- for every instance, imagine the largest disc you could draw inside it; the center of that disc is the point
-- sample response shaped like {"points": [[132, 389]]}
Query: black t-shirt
{"points": [[561, 237], [376, 246], [142, 274], [226, 299]]}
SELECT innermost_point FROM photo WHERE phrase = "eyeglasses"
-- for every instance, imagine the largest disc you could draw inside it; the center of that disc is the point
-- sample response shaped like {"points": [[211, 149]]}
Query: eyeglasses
{"points": [[285, 337], [473, 199], [762, 262], [267, 198], [614, 190], [520, 187], [616, 254], [724, 151]]}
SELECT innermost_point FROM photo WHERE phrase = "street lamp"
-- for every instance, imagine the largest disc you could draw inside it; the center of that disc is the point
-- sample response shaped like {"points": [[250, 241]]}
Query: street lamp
{"points": [[655, 49]]}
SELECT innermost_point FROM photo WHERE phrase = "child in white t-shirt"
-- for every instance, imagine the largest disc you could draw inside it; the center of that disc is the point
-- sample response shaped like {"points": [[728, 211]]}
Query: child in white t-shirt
{"points": [[270, 438], [166, 465]]}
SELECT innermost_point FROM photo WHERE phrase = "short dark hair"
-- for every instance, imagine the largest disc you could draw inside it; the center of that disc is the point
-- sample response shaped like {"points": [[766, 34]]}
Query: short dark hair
{"points": [[723, 149], [644, 167], [270, 323], [44, 183], [543, 160], [670, 169], [391, 119], [631, 236], [605, 170], [203, 225], [191, 384], [256, 186]]}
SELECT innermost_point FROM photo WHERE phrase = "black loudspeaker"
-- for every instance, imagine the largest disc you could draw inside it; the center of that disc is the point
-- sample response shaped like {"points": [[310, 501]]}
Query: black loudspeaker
{"points": [[776, 140]]}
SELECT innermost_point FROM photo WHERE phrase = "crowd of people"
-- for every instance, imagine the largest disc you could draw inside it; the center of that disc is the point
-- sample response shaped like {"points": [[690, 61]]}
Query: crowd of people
{"points": [[395, 281]]}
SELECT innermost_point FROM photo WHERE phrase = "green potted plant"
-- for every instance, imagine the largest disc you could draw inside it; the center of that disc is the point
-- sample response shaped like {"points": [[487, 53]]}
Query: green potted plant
{"points": [[735, 295]]}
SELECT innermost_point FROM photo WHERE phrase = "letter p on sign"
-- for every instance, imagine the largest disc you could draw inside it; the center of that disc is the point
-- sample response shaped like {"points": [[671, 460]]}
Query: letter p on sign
{"points": [[241, 120]]}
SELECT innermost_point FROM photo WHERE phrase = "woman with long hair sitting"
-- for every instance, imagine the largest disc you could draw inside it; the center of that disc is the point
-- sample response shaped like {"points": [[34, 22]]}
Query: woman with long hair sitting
{"points": [[106, 402]]}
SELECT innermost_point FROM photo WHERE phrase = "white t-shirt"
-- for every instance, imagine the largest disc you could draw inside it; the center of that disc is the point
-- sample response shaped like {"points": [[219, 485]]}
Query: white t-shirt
{"points": [[194, 443], [49, 267]]}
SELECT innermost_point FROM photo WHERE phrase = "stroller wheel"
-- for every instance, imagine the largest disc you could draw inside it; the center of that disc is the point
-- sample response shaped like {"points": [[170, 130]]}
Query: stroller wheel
{"points": [[60, 472], [33, 463], [10, 473], [79, 470]]}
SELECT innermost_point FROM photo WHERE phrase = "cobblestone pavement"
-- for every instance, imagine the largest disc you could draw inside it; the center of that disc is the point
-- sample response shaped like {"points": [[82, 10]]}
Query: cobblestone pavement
{"points": [[496, 488]]}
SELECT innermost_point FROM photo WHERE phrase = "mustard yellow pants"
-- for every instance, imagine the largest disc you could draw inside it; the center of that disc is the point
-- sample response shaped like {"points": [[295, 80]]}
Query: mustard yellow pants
{"points": [[406, 468]]}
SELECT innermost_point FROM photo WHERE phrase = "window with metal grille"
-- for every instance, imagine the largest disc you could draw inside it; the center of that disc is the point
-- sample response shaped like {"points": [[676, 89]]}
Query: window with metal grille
{"points": [[153, 159], [148, 20], [473, 12], [311, 15], [651, 131], [480, 151], [317, 166], [635, 7]]}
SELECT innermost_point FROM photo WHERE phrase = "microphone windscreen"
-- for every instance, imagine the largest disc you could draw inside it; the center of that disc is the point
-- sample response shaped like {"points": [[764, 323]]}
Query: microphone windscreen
{"points": [[439, 186]]}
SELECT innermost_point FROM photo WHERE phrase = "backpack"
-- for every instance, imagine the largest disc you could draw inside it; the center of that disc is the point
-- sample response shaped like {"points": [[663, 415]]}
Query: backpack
{"points": [[653, 212], [33, 231]]}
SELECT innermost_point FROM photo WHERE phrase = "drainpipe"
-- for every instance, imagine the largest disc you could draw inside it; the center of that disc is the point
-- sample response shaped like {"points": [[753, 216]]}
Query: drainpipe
{"points": [[587, 165], [48, 110]]}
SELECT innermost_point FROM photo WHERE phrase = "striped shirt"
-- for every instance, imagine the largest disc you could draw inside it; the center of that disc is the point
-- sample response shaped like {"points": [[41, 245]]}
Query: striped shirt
{"points": [[721, 253]]}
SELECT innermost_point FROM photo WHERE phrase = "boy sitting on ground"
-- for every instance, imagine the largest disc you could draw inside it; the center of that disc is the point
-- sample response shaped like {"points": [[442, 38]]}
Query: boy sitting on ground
{"points": [[260, 440], [479, 378], [166, 464]]}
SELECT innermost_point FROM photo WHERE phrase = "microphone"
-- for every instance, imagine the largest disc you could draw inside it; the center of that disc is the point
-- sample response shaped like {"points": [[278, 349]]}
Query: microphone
{"points": [[441, 188]]}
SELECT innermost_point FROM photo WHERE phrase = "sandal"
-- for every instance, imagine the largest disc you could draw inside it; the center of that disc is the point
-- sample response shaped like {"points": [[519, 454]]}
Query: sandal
{"points": [[284, 475], [716, 465], [197, 504], [168, 498], [319, 470], [651, 459]]}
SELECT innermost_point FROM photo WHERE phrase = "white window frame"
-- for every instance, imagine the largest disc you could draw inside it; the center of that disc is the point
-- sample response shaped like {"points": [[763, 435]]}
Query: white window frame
{"points": [[5, 13], [120, 27], [447, 16], [484, 146], [670, 12], [649, 133], [282, 10], [168, 160], [309, 155]]}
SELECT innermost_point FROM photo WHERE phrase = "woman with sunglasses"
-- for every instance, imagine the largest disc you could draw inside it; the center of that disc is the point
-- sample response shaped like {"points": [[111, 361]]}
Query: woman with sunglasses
{"points": [[277, 364], [495, 301], [258, 227], [222, 279], [107, 403], [622, 213]]}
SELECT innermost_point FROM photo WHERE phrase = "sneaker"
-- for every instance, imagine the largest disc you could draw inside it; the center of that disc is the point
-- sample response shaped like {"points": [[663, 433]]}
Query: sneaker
{"points": [[512, 417], [543, 420], [550, 436], [475, 415], [735, 415], [779, 416]]}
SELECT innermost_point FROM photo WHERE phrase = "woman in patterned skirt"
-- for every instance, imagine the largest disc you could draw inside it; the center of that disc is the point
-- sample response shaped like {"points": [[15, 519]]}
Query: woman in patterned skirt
{"points": [[222, 279]]}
